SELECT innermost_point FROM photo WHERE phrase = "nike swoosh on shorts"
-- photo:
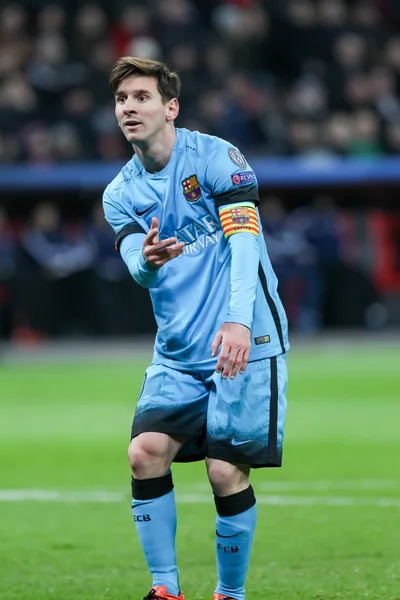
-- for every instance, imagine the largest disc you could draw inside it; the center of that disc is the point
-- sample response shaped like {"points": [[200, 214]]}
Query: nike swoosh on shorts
{"points": [[235, 443]]}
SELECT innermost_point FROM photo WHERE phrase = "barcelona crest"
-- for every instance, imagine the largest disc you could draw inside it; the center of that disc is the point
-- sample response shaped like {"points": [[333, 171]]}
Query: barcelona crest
{"points": [[240, 216], [191, 188]]}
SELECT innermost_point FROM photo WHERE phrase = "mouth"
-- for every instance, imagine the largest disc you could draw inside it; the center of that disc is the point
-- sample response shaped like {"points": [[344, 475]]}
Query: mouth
{"points": [[131, 124]]}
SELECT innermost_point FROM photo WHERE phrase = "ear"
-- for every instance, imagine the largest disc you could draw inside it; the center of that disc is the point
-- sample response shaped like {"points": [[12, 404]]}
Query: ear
{"points": [[172, 109]]}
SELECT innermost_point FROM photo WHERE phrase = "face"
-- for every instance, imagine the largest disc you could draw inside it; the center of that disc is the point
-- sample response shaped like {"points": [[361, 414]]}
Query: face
{"points": [[140, 111]]}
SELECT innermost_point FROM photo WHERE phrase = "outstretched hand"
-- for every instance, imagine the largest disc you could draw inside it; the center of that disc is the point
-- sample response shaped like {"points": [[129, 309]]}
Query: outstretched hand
{"points": [[157, 253], [234, 340]]}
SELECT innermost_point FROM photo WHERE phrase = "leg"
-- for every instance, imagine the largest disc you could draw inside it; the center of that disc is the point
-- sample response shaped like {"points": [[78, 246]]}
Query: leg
{"points": [[153, 504], [245, 423], [170, 410], [235, 524]]}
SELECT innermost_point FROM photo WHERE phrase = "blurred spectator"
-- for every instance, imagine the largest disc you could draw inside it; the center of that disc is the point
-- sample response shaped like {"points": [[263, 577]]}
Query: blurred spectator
{"points": [[186, 60], [115, 292], [51, 20], [77, 111], [307, 98], [15, 44], [366, 134], [337, 133], [246, 30], [133, 22], [50, 69], [218, 62], [37, 144], [391, 56], [304, 138], [350, 53], [384, 94], [66, 143], [91, 26], [54, 283], [19, 107], [177, 20]]}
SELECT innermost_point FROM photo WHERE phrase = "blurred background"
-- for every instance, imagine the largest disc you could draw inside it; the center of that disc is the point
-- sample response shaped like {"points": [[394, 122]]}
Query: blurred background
{"points": [[309, 90]]}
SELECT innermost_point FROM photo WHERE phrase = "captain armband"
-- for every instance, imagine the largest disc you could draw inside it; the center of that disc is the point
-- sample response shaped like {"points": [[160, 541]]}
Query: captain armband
{"points": [[239, 218]]}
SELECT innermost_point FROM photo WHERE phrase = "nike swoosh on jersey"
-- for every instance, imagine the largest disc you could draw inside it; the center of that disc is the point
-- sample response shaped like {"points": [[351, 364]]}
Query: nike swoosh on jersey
{"points": [[143, 212], [228, 536], [236, 443]]}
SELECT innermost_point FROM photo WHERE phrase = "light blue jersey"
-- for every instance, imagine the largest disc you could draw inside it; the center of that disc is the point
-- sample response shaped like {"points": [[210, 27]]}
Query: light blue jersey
{"points": [[204, 195]]}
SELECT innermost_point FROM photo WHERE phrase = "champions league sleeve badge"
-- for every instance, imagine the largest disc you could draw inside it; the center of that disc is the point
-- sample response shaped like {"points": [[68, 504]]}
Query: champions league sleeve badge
{"points": [[237, 157], [191, 188]]}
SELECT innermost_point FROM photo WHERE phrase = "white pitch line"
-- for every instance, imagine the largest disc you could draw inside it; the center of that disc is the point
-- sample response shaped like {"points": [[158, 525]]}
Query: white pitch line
{"points": [[316, 486], [32, 495], [79, 497], [349, 485]]}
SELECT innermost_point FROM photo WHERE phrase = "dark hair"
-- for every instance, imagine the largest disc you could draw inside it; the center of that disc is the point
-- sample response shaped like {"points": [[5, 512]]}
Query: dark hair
{"points": [[168, 82]]}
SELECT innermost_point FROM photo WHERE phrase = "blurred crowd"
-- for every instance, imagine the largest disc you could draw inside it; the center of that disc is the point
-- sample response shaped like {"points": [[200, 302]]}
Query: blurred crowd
{"points": [[276, 77], [63, 278]]}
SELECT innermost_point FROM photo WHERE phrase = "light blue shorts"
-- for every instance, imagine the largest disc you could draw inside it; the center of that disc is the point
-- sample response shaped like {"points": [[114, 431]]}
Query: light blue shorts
{"points": [[238, 420]]}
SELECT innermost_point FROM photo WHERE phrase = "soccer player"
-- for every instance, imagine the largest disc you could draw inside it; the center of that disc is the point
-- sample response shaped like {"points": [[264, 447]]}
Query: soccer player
{"points": [[184, 213]]}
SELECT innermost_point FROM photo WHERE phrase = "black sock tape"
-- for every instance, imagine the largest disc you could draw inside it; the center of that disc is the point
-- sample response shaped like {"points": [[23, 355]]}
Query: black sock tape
{"points": [[148, 489], [228, 506]]}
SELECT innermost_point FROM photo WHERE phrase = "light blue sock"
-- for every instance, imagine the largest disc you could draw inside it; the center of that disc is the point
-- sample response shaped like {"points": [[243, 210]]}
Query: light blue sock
{"points": [[155, 520], [234, 537]]}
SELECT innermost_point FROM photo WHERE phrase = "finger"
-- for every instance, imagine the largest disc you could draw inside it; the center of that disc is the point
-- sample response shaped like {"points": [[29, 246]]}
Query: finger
{"points": [[223, 355], [245, 360], [237, 365], [163, 244], [230, 363], [172, 252], [216, 343], [175, 250], [151, 250], [151, 237], [154, 225], [163, 256]]}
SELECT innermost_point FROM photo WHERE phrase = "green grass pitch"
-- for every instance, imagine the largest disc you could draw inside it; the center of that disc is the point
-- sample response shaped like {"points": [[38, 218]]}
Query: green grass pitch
{"points": [[328, 521]]}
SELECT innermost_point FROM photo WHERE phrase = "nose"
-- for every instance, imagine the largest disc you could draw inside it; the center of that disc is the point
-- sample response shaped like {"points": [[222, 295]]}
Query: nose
{"points": [[129, 107]]}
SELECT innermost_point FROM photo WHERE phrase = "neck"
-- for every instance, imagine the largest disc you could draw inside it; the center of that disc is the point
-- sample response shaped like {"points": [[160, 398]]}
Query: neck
{"points": [[155, 154]]}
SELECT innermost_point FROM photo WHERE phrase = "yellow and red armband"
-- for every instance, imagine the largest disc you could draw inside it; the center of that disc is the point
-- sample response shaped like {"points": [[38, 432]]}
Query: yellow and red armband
{"points": [[239, 218]]}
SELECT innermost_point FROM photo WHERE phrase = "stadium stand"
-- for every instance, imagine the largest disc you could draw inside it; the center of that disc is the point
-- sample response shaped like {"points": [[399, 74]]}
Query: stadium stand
{"points": [[277, 78]]}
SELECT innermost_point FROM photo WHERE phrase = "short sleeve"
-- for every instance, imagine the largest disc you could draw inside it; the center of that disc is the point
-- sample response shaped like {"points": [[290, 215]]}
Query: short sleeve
{"points": [[229, 176], [121, 222], [234, 187]]}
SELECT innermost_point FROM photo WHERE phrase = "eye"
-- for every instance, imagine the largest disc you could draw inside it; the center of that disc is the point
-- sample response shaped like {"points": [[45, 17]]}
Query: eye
{"points": [[121, 99], [142, 98]]}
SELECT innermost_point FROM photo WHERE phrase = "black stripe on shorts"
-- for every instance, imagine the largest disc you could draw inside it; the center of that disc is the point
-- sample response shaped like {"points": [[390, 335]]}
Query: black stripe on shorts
{"points": [[273, 411]]}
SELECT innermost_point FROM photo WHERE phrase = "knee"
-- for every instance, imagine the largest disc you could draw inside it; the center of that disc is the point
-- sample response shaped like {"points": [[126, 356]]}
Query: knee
{"points": [[225, 478], [146, 459]]}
